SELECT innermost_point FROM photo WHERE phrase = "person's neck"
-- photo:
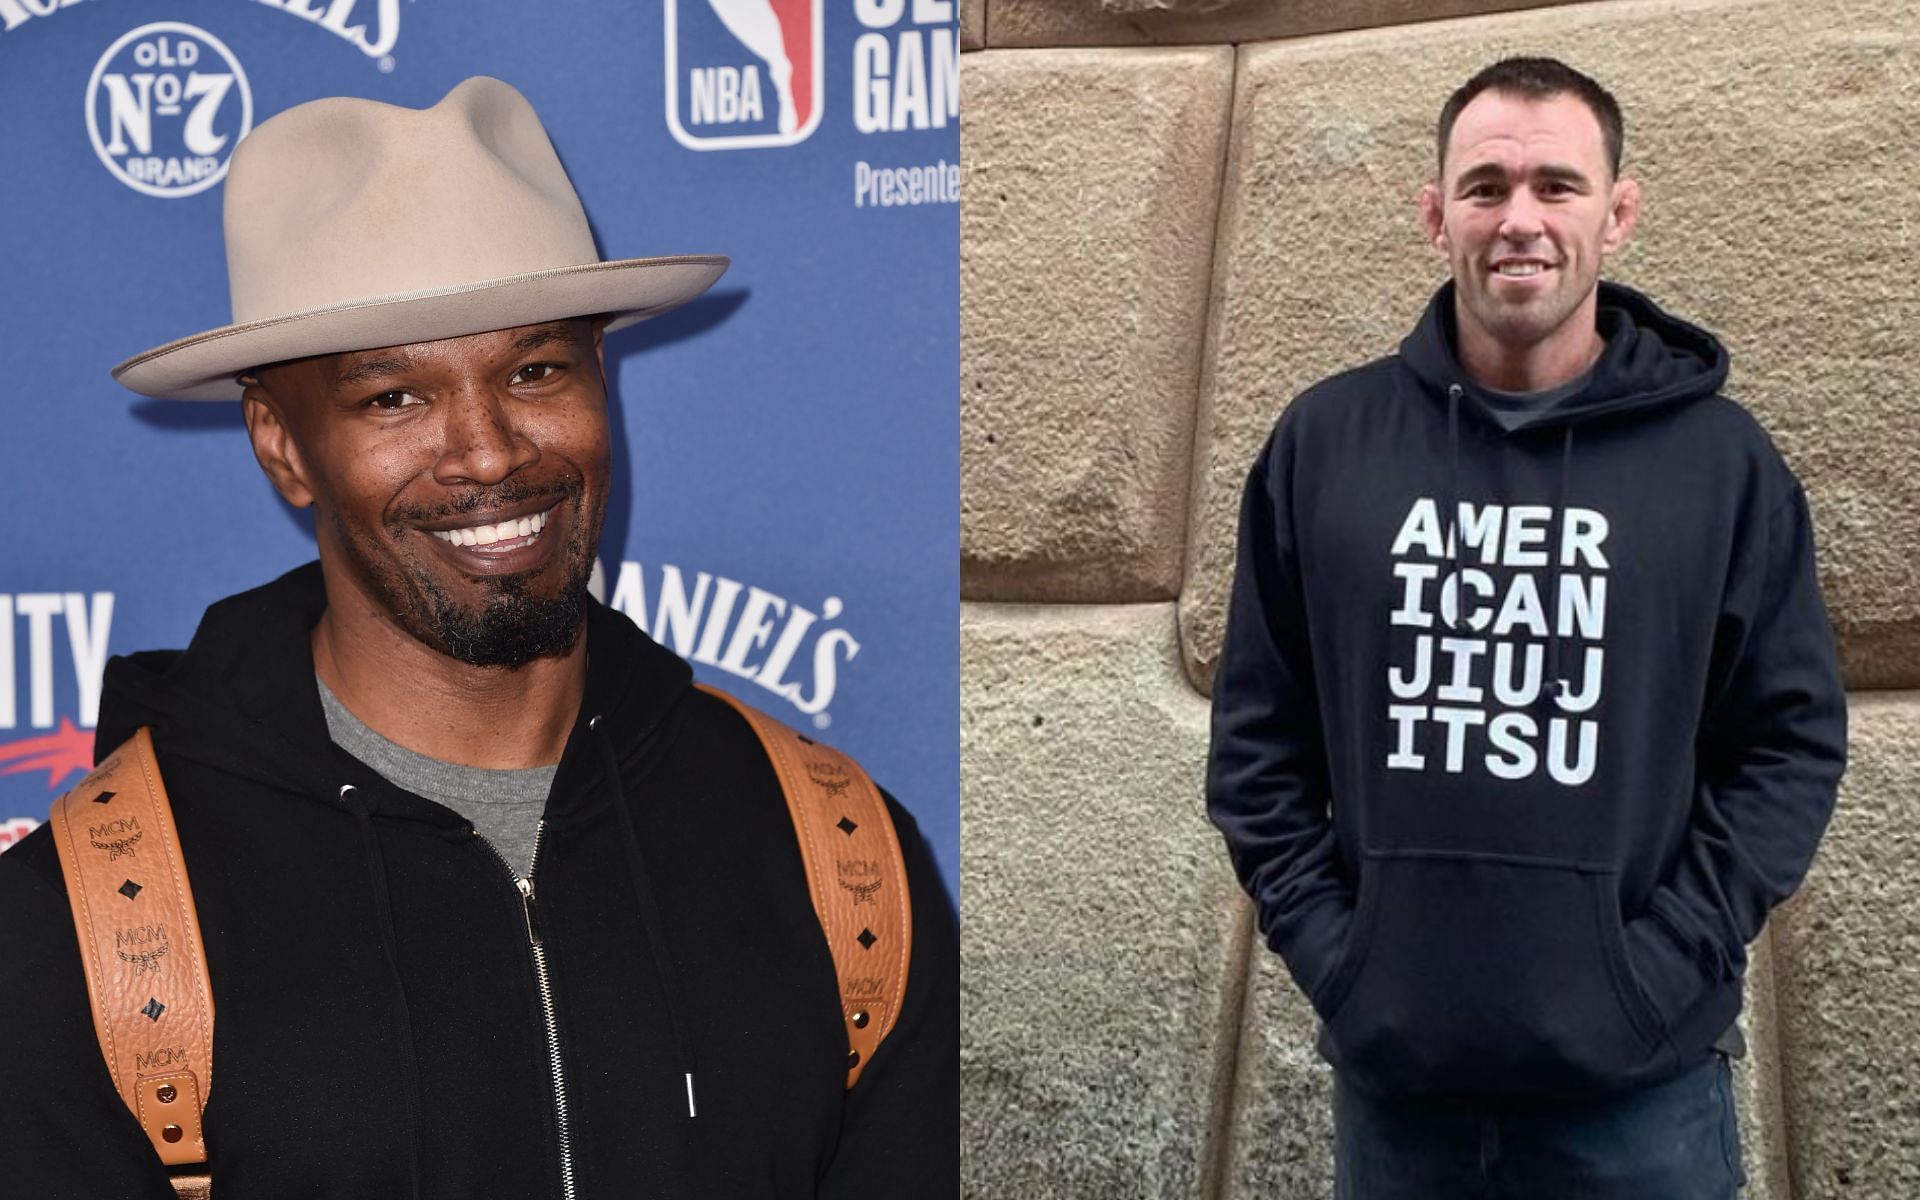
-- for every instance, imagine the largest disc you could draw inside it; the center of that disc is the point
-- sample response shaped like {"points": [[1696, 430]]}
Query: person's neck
{"points": [[1561, 357], [438, 706]]}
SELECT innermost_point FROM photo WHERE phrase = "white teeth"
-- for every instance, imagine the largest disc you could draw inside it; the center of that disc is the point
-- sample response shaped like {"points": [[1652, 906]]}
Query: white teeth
{"points": [[1519, 268], [487, 535]]}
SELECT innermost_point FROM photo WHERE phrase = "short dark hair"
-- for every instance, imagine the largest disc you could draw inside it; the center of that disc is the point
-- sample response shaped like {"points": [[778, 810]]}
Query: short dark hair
{"points": [[1538, 79]]}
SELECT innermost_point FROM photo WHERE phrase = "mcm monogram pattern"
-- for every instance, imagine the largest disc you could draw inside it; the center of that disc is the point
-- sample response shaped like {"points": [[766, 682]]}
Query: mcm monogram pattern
{"points": [[859, 876], [136, 929], [144, 961], [830, 776], [143, 946], [117, 837], [162, 1059]]}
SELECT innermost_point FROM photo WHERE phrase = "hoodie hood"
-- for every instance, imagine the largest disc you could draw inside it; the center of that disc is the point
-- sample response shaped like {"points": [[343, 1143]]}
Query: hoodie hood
{"points": [[241, 698], [1652, 360]]}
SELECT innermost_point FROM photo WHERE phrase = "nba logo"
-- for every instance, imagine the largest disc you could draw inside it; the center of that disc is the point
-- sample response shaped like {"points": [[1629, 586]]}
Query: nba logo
{"points": [[743, 73]]}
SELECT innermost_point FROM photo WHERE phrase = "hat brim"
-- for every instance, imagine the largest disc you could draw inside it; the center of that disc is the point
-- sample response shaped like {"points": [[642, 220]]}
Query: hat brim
{"points": [[203, 366]]}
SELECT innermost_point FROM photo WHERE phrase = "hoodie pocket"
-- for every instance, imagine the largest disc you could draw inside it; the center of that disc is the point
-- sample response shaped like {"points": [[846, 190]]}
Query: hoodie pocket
{"points": [[1479, 972]]}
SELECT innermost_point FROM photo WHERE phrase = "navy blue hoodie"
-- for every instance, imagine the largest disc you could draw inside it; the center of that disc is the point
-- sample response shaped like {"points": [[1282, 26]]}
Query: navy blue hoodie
{"points": [[1512, 804]]}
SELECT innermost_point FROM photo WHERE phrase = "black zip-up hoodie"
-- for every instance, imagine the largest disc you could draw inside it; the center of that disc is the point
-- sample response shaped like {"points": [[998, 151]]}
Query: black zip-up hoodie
{"points": [[379, 1027], [1572, 757]]}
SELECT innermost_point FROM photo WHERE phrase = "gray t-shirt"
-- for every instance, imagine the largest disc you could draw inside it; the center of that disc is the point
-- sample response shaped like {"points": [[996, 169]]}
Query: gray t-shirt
{"points": [[1511, 408], [504, 806]]}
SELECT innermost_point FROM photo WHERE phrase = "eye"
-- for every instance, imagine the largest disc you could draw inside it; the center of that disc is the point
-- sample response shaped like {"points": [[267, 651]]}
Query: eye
{"points": [[394, 401], [535, 372]]}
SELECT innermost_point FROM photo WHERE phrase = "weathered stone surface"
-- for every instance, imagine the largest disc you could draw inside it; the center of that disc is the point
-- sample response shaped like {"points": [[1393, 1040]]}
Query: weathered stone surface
{"points": [[1756, 1081], [1847, 971], [1774, 139], [1191, 22], [1103, 927], [1281, 1125], [973, 24], [1087, 221]]}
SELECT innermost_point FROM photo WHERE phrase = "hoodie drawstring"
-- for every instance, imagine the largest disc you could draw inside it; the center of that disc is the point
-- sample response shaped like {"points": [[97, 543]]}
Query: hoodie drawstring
{"points": [[1453, 499], [1552, 685], [1557, 686], [402, 1015], [649, 912]]}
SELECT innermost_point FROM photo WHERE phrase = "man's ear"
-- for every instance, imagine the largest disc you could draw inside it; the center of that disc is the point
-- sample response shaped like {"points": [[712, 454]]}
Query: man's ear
{"points": [[1623, 214], [1433, 216], [273, 443]]}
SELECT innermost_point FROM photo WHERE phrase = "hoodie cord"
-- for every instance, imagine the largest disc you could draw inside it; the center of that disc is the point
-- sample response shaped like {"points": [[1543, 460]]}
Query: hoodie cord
{"points": [[1453, 500], [649, 912], [1557, 686], [402, 1016]]}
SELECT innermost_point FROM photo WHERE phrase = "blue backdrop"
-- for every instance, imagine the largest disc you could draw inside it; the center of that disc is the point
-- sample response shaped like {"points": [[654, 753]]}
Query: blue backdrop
{"points": [[791, 440]]}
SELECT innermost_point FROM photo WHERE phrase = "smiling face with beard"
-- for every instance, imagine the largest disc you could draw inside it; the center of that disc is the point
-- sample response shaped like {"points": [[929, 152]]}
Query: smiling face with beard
{"points": [[460, 485], [494, 620]]}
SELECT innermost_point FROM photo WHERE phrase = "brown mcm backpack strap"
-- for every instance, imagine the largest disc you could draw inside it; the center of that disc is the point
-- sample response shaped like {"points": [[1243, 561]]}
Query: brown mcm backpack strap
{"points": [[140, 945], [855, 872]]}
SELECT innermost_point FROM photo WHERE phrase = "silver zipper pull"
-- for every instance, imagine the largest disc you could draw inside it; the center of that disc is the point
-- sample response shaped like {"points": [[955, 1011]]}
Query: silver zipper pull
{"points": [[526, 903]]}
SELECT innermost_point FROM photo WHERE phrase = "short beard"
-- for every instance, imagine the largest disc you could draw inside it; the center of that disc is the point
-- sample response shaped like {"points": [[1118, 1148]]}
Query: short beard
{"points": [[511, 627]]}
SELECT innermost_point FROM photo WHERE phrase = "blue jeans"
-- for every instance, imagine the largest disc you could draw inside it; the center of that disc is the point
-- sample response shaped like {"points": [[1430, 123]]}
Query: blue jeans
{"points": [[1677, 1140]]}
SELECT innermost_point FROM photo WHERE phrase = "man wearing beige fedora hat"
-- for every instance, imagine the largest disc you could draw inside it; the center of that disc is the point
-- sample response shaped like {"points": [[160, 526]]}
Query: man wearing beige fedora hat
{"points": [[491, 900]]}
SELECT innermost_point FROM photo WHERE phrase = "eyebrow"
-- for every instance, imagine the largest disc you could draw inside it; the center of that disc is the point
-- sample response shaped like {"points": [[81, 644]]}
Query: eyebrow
{"points": [[370, 370], [545, 335], [1494, 172]]}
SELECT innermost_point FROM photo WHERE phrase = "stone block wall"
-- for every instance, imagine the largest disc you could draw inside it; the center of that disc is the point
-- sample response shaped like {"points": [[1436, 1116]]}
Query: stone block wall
{"points": [[1175, 215]]}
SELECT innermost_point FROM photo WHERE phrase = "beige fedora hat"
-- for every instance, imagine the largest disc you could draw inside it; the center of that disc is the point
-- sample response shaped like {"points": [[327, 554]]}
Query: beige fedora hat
{"points": [[352, 224]]}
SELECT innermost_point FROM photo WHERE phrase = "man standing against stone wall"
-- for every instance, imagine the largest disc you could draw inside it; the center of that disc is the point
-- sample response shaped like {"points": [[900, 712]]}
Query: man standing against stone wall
{"points": [[1528, 711]]}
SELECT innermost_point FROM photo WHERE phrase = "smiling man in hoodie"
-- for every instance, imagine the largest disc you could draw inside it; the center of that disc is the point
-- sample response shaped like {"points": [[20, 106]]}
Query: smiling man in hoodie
{"points": [[1528, 710], [494, 901]]}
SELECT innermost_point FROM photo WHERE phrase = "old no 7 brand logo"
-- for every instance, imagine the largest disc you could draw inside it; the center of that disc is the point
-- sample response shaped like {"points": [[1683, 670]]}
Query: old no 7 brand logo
{"points": [[166, 105]]}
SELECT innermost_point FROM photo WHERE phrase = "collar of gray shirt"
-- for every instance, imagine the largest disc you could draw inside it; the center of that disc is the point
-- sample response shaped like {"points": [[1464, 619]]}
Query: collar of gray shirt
{"points": [[504, 806]]}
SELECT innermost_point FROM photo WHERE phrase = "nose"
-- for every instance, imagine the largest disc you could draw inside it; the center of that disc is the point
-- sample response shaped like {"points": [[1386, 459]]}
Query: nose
{"points": [[481, 444], [1521, 222]]}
